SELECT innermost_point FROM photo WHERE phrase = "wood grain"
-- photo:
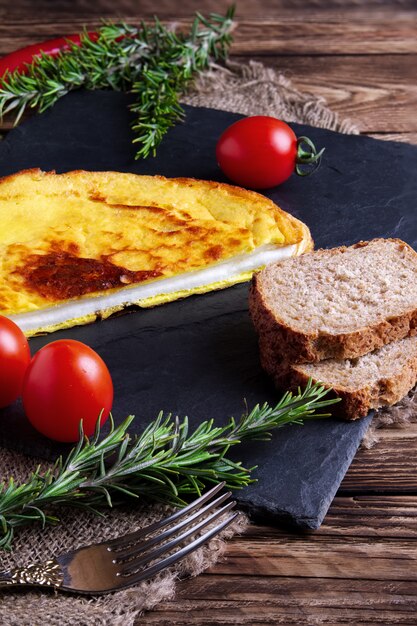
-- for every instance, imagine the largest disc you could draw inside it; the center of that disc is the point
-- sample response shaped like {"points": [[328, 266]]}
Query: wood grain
{"points": [[378, 97], [327, 35], [289, 35], [385, 468], [365, 517], [404, 137], [360, 567], [48, 11]]}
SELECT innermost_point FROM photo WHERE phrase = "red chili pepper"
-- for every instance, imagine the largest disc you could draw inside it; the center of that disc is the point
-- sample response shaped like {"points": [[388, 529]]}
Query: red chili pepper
{"points": [[20, 58]]}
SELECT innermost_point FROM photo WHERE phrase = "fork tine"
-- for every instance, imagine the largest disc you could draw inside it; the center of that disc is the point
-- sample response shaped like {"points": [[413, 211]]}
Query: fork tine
{"points": [[132, 537], [132, 550], [128, 566], [177, 556]]}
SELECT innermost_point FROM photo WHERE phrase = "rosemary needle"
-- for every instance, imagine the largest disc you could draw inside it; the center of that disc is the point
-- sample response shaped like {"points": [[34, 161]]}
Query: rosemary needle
{"points": [[153, 62], [165, 462]]}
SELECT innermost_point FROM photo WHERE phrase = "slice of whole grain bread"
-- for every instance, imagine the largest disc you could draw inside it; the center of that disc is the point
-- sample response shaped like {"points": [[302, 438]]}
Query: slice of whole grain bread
{"points": [[334, 304], [380, 378]]}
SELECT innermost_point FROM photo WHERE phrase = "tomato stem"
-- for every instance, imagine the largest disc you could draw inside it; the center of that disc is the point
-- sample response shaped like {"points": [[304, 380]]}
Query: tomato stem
{"points": [[308, 159]]}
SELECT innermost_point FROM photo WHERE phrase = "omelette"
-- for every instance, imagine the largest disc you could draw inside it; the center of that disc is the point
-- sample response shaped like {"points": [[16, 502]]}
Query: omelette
{"points": [[79, 246]]}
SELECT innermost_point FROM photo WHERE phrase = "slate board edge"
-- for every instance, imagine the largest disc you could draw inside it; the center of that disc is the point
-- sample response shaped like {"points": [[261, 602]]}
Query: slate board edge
{"points": [[260, 513], [349, 139]]}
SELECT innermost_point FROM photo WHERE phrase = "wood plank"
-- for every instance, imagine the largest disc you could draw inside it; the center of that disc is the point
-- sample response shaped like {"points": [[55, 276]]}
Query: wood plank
{"points": [[329, 35], [330, 553], [390, 466], [403, 137], [356, 531], [378, 94], [359, 568], [213, 600], [308, 556], [299, 34], [48, 11], [364, 517]]}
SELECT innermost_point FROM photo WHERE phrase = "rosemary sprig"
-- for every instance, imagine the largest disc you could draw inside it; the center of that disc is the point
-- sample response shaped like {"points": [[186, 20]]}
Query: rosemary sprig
{"points": [[163, 463], [151, 61]]}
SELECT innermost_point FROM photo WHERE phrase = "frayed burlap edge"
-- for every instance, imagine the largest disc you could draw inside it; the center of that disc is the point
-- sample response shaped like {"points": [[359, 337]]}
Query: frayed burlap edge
{"points": [[397, 416], [80, 528], [254, 89]]}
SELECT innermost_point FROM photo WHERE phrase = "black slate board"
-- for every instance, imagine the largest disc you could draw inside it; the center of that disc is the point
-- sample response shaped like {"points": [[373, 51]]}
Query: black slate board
{"points": [[199, 356]]}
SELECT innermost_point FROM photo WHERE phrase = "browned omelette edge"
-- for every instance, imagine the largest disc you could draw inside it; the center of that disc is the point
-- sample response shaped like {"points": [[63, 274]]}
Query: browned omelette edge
{"points": [[304, 243]]}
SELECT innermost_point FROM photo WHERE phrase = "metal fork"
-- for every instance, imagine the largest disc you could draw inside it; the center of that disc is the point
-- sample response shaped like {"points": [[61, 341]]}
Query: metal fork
{"points": [[125, 561]]}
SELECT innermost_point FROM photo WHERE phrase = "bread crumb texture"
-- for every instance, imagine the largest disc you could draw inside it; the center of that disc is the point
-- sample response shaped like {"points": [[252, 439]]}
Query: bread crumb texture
{"points": [[343, 289], [339, 303], [346, 317], [380, 378]]}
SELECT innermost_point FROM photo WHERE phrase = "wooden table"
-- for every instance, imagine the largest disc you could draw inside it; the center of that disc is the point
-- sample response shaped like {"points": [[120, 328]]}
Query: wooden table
{"points": [[361, 566]]}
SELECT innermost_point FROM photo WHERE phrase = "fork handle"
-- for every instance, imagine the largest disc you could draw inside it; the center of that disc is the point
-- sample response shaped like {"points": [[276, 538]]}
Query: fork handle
{"points": [[43, 574], [5, 579]]}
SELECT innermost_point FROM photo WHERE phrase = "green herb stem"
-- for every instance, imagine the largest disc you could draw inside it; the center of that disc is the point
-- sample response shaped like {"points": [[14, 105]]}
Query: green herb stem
{"points": [[151, 61], [165, 463]]}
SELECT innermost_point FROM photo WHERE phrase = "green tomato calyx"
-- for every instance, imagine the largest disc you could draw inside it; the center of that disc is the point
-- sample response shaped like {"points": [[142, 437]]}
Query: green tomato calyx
{"points": [[308, 159]]}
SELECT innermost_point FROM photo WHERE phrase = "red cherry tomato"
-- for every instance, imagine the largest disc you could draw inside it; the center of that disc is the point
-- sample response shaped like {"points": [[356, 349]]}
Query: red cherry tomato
{"points": [[14, 360], [262, 152], [66, 382]]}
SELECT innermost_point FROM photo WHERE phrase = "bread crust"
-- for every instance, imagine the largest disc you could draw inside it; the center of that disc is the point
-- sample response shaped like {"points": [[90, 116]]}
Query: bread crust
{"points": [[356, 403], [289, 345]]}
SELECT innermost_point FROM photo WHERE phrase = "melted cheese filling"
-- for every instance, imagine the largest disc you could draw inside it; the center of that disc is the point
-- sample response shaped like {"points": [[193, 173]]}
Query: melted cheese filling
{"points": [[234, 270]]}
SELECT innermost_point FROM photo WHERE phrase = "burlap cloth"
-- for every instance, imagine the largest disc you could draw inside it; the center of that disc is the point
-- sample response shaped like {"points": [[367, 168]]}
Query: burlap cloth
{"points": [[249, 89]]}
